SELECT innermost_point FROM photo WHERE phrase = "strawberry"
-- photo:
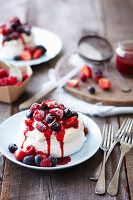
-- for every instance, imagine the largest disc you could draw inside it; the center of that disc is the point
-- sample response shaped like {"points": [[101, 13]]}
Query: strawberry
{"points": [[28, 122], [26, 55], [57, 112], [19, 155], [73, 82], [70, 122], [86, 70], [37, 53], [104, 83]]}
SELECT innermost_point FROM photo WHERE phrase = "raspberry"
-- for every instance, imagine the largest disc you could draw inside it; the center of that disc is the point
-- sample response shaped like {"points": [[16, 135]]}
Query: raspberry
{"points": [[30, 150], [12, 80], [39, 115], [4, 81], [61, 106], [58, 113], [52, 104], [18, 84], [25, 76], [83, 77], [35, 106], [46, 162], [41, 127], [19, 155], [96, 77], [3, 73]]}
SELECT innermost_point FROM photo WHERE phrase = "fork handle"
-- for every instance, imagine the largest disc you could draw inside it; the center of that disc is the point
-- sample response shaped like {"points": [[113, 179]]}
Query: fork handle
{"points": [[113, 186], [100, 186], [95, 174]]}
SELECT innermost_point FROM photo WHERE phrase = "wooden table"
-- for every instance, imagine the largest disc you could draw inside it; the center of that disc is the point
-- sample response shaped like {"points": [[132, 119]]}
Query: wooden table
{"points": [[69, 19]]}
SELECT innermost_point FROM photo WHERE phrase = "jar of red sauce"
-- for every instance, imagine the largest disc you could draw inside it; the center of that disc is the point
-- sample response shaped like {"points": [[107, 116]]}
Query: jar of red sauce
{"points": [[124, 57]]}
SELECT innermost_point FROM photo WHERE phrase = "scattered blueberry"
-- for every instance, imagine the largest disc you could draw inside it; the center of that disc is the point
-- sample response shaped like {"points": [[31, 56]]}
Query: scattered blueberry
{"points": [[67, 113], [12, 147], [42, 48], [17, 58], [91, 89], [29, 114], [54, 161], [74, 113], [28, 160], [56, 126], [98, 71], [38, 159], [49, 118]]}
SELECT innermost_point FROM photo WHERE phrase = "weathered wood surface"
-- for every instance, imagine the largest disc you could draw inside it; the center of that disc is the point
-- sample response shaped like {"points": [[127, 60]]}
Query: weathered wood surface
{"points": [[69, 19]]}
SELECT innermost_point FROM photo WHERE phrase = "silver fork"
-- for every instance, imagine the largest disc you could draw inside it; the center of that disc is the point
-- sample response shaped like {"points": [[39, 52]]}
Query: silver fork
{"points": [[125, 127], [126, 145], [107, 139]]}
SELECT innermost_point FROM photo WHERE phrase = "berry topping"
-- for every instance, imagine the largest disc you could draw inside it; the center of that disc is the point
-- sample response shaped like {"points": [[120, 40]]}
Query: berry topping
{"points": [[30, 150], [54, 161], [30, 128], [13, 19], [29, 114], [19, 155], [104, 83], [28, 122], [73, 82], [12, 80], [74, 113], [83, 77], [28, 160], [3, 73], [49, 118], [37, 53], [67, 113], [42, 48], [86, 70], [46, 162], [51, 104], [57, 112], [96, 77], [39, 115], [56, 126], [41, 127], [26, 55], [70, 122], [61, 106], [44, 106], [91, 90], [35, 106], [98, 71], [12, 148], [38, 159], [17, 58]]}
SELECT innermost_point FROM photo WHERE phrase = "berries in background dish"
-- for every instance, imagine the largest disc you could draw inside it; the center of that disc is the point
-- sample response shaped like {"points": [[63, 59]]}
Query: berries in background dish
{"points": [[86, 70], [104, 83], [91, 90], [83, 77], [73, 82]]}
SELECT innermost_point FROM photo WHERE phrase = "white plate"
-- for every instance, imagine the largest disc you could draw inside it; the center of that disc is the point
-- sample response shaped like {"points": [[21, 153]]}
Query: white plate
{"points": [[50, 40], [10, 129]]}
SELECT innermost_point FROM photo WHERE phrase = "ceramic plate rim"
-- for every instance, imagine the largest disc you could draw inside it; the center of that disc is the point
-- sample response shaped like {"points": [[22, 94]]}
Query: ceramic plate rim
{"points": [[59, 167]]}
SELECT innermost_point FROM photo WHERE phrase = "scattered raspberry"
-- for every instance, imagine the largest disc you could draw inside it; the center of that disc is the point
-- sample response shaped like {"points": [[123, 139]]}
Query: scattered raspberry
{"points": [[4, 81], [46, 162], [96, 77], [19, 155], [85, 130], [57, 112], [12, 80], [25, 76], [39, 115], [28, 122], [3, 73], [61, 106], [86, 70], [41, 127], [30, 150], [83, 77], [104, 83], [34, 107]]}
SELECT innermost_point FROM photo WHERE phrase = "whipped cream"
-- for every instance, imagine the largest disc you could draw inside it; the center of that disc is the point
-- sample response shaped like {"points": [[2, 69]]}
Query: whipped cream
{"points": [[74, 139]]}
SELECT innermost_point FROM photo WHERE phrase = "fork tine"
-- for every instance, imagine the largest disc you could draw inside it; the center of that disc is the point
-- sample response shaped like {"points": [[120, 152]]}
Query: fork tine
{"points": [[109, 136], [126, 127], [103, 134], [112, 134], [106, 134], [123, 124]]}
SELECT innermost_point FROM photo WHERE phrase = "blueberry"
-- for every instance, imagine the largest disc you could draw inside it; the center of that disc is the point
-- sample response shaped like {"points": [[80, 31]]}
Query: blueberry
{"points": [[53, 160], [14, 25], [38, 159], [74, 113], [56, 126], [67, 113], [28, 160], [12, 147], [29, 114], [91, 89], [49, 118], [98, 71], [44, 106], [17, 58], [42, 48], [7, 38], [20, 29]]}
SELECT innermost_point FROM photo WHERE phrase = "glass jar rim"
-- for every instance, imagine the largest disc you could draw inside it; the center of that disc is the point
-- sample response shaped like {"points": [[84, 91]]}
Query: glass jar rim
{"points": [[126, 45]]}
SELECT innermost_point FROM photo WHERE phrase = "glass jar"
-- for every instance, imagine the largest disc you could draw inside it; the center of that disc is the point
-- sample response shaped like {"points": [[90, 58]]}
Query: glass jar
{"points": [[124, 57]]}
